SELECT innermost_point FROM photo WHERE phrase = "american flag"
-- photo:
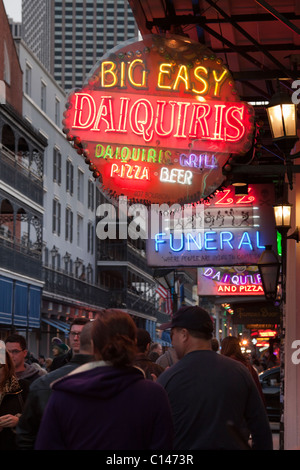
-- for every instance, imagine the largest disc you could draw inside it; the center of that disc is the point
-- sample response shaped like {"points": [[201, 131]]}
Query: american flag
{"points": [[166, 295]]}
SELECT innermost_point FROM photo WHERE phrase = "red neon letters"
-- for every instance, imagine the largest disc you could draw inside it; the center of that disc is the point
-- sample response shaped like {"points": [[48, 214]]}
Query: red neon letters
{"points": [[126, 119], [157, 120]]}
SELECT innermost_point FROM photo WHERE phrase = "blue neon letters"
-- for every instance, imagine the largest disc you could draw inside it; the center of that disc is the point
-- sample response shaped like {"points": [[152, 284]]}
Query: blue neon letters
{"points": [[209, 241]]}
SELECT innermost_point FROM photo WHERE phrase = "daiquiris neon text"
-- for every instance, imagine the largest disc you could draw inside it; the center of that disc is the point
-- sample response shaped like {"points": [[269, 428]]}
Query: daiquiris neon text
{"points": [[234, 283], [208, 241], [153, 155], [232, 278], [144, 120], [158, 119]]}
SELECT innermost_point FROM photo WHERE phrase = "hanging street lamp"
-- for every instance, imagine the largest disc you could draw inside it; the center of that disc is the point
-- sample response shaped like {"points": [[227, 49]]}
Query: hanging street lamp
{"points": [[269, 269], [282, 113], [282, 213], [282, 116]]}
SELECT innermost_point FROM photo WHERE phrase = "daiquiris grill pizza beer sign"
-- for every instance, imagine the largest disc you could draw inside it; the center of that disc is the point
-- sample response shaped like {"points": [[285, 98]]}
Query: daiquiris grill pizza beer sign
{"points": [[157, 120]]}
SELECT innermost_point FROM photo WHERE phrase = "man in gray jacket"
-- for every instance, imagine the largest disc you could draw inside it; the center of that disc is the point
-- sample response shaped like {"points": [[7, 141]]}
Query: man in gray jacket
{"points": [[40, 391], [16, 346], [214, 400]]}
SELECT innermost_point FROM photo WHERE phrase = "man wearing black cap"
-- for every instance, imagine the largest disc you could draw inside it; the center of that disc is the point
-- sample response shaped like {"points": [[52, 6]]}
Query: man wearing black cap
{"points": [[214, 399]]}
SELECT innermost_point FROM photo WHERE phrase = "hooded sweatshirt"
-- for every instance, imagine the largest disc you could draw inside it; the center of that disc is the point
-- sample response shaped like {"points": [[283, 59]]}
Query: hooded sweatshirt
{"points": [[31, 372], [101, 407]]}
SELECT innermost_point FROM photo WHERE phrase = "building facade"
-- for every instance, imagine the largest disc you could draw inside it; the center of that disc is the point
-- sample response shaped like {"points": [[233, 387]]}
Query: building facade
{"points": [[79, 274], [69, 37], [68, 252], [122, 269], [22, 149]]}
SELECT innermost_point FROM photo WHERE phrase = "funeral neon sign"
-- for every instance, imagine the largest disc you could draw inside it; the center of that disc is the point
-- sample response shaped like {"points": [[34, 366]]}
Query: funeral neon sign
{"points": [[157, 120], [210, 240], [227, 230]]}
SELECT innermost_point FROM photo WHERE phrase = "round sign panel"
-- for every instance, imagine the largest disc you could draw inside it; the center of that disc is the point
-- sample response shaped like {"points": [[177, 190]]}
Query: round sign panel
{"points": [[157, 120]]}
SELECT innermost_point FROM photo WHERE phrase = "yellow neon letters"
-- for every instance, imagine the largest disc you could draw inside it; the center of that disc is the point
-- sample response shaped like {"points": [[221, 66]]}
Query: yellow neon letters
{"points": [[198, 80], [108, 68], [127, 171], [135, 72]]}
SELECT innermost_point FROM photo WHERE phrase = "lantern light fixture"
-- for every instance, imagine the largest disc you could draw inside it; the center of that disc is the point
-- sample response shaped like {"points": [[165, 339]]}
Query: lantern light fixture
{"points": [[282, 214], [269, 269], [282, 114]]}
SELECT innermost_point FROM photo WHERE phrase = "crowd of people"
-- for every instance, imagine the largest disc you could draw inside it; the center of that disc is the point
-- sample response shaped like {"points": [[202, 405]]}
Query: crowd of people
{"points": [[112, 388]]}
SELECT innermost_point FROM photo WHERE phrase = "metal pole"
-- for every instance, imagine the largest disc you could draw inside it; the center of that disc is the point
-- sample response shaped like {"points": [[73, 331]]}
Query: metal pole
{"points": [[283, 231], [282, 337]]}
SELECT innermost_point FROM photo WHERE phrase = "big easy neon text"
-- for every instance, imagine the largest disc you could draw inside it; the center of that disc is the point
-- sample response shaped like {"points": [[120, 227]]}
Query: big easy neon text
{"points": [[152, 115]]}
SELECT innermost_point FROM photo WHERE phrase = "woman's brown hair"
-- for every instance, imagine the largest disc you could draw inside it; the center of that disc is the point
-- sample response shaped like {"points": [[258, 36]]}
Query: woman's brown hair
{"points": [[9, 369], [230, 347], [114, 337]]}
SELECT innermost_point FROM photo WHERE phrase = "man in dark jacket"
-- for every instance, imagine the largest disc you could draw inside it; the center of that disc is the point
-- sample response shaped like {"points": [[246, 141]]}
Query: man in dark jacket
{"points": [[16, 346], [40, 392], [211, 396], [74, 343]]}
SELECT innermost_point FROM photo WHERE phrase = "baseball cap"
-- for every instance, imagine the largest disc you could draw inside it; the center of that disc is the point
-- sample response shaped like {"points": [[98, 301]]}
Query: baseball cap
{"points": [[192, 318]]}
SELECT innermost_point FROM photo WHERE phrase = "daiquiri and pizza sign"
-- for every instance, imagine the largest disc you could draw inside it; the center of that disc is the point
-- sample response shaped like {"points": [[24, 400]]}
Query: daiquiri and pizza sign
{"points": [[157, 120]]}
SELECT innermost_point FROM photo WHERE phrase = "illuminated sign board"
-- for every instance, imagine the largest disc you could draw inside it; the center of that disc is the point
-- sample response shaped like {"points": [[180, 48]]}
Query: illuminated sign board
{"points": [[157, 120], [228, 230], [235, 280], [256, 313], [267, 333]]}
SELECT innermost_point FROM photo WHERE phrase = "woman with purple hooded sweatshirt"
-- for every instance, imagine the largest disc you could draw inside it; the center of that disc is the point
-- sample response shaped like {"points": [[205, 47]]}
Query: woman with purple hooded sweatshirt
{"points": [[107, 404]]}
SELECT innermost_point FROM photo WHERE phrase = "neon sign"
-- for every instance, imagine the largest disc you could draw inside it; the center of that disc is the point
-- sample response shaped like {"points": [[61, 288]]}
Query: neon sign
{"points": [[236, 280], [129, 171], [228, 230], [125, 118], [174, 175], [163, 111]]}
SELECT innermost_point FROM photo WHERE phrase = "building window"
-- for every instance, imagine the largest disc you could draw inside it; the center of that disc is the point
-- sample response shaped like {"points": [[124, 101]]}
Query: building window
{"points": [[79, 230], [91, 195], [69, 177], [6, 73], [56, 166], [69, 225], [43, 95], [90, 238], [56, 217], [80, 185], [57, 111], [46, 256], [28, 78]]}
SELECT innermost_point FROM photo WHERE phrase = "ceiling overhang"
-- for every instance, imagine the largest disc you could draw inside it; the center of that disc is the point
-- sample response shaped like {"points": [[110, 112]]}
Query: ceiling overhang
{"points": [[259, 41]]}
